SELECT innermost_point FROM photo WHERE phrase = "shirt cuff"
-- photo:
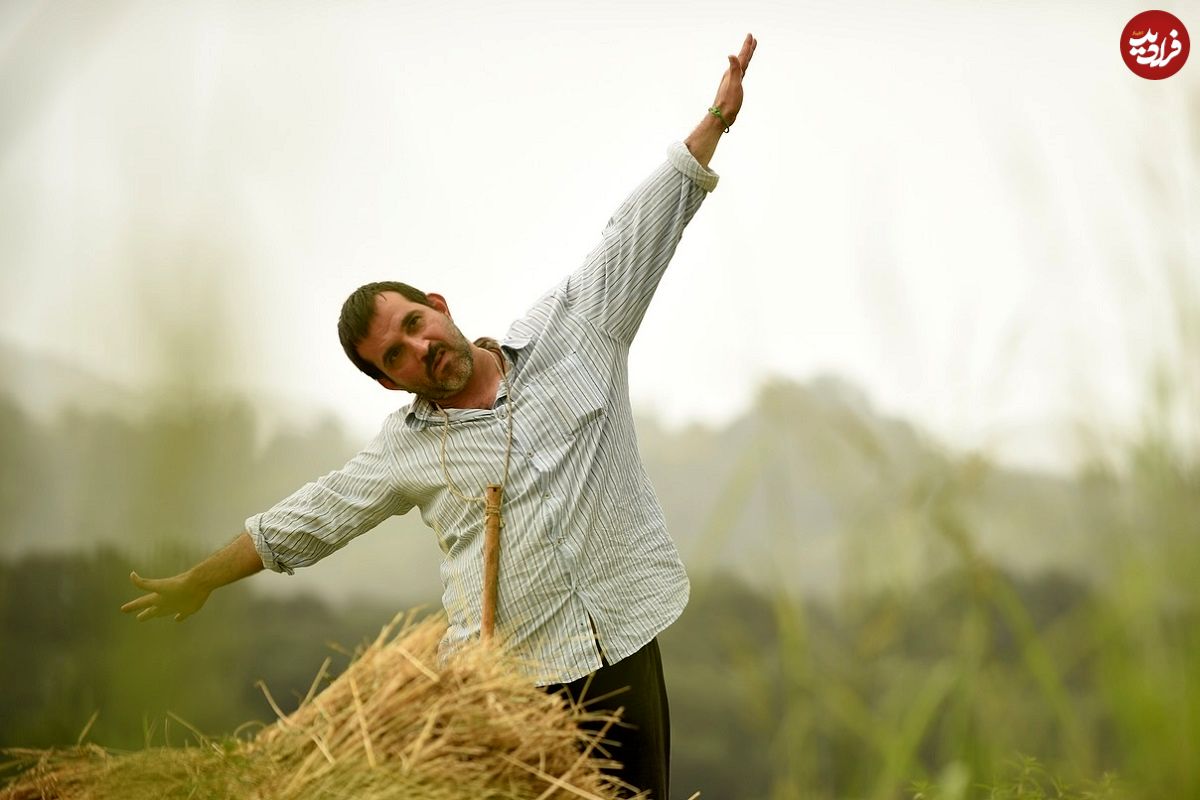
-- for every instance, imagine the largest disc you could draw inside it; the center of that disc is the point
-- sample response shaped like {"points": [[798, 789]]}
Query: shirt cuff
{"points": [[682, 159], [264, 550]]}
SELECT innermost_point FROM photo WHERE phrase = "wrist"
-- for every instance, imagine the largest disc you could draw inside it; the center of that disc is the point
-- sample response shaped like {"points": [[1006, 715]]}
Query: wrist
{"points": [[720, 117], [197, 580]]}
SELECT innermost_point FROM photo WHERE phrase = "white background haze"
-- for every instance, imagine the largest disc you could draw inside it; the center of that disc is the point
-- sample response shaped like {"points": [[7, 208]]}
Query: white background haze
{"points": [[973, 211]]}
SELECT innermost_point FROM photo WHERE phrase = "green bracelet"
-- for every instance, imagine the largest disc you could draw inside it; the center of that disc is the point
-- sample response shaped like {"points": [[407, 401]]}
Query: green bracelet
{"points": [[716, 112]]}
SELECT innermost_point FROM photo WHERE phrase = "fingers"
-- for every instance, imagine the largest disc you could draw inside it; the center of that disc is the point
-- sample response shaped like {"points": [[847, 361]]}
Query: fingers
{"points": [[148, 608], [140, 582], [747, 52], [147, 604], [739, 63], [145, 601]]}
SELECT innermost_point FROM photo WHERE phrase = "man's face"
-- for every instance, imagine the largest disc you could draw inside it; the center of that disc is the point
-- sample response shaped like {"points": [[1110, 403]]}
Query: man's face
{"points": [[417, 347]]}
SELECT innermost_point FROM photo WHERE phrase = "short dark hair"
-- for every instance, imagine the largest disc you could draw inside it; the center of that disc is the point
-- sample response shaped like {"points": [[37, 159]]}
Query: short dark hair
{"points": [[358, 311]]}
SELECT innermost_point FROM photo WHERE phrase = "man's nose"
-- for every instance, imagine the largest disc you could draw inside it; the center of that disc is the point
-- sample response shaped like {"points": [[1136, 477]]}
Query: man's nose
{"points": [[419, 348]]}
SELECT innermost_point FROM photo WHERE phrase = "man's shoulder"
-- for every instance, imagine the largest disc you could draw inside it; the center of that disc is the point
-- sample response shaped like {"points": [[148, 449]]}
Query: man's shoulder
{"points": [[528, 327], [404, 420]]}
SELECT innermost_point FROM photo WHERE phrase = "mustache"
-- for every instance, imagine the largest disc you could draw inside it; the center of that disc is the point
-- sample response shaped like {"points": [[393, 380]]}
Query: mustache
{"points": [[431, 357]]}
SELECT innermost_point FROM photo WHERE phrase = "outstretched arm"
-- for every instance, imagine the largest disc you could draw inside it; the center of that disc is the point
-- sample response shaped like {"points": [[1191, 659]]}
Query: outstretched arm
{"points": [[183, 595], [702, 142]]}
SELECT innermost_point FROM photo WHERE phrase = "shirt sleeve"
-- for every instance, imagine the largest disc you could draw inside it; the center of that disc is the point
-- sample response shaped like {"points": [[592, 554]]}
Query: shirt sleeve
{"points": [[614, 286], [323, 516]]}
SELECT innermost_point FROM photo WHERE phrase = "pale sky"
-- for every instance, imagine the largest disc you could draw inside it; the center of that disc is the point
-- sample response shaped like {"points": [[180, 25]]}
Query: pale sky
{"points": [[970, 210]]}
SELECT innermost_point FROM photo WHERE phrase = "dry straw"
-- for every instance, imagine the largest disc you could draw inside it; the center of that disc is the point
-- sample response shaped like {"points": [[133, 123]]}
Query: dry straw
{"points": [[393, 725]]}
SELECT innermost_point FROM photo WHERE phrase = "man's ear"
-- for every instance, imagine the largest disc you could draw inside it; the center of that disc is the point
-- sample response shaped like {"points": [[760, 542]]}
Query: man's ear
{"points": [[438, 302], [387, 383]]}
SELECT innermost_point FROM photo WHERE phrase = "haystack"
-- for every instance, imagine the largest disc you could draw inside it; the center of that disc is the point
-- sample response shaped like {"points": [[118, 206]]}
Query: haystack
{"points": [[393, 725]]}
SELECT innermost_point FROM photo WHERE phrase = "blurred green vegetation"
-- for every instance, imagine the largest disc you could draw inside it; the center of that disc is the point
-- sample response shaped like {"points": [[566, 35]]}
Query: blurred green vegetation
{"points": [[770, 697], [69, 652], [934, 685]]}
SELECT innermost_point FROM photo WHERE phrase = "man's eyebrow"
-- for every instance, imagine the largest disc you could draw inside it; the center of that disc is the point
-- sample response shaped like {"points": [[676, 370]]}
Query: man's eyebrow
{"points": [[392, 351]]}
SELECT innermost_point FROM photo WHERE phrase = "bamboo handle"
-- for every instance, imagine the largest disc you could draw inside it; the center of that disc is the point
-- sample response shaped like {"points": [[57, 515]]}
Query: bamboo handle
{"points": [[491, 560]]}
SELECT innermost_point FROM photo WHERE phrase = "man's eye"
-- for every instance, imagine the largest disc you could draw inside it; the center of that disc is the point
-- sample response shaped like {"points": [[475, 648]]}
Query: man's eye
{"points": [[413, 323]]}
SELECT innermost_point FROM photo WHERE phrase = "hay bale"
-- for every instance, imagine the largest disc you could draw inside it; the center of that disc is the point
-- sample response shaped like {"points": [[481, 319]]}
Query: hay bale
{"points": [[393, 725]]}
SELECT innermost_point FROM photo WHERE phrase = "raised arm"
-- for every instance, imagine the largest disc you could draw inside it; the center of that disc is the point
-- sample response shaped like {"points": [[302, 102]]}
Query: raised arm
{"points": [[182, 595], [618, 278], [702, 142]]}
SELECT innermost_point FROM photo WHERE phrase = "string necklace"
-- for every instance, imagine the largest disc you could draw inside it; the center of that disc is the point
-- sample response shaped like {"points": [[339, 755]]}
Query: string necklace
{"points": [[492, 499], [508, 402]]}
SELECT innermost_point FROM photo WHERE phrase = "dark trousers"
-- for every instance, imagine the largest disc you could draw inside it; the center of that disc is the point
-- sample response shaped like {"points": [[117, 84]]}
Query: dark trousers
{"points": [[643, 735]]}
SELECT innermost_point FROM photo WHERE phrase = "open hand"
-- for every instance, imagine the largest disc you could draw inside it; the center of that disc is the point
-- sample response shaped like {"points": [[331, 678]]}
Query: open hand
{"points": [[175, 596], [729, 94]]}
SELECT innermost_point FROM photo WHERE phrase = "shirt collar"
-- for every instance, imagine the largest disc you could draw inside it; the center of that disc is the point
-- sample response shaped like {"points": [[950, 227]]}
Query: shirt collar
{"points": [[423, 413]]}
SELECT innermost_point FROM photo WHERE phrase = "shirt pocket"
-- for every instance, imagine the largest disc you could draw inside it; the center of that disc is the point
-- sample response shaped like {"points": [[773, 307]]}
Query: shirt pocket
{"points": [[562, 401]]}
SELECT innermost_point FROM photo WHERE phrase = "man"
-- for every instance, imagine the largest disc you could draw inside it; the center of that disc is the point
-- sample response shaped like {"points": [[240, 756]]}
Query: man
{"points": [[588, 574]]}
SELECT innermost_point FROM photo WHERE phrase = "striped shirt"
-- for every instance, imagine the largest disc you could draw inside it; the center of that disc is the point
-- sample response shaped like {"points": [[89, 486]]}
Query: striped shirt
{"points": [[586, 564]]}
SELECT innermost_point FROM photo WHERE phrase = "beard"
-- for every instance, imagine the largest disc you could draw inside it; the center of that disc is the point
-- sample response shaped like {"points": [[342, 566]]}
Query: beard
{"points": [[455, 370]]}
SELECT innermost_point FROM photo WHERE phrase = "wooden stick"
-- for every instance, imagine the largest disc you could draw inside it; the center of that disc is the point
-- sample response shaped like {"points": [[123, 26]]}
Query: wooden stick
{"points": [[493, 496]]}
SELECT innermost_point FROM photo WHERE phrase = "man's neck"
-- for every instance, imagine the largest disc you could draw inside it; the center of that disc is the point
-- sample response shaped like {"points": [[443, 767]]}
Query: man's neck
{"points": [[480, 391]]}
